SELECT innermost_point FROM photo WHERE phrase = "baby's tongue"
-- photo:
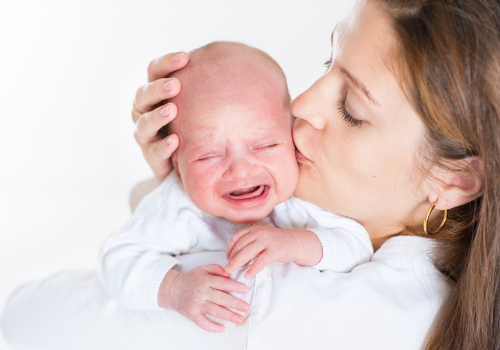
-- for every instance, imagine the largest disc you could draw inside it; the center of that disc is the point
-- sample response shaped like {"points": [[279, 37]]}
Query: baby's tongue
{"points": [[248, 193]]}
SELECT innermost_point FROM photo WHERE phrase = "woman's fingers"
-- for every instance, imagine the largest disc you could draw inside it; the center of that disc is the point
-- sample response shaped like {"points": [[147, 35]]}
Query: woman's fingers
{"points": [[149, 95], [222, 313], [163, 66], [157, 153], [160, 150], [204, 323], [150, 123]]}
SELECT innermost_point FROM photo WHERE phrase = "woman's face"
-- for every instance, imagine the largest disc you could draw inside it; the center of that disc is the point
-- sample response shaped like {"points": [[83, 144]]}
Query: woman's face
{"points": [[357, 135]]}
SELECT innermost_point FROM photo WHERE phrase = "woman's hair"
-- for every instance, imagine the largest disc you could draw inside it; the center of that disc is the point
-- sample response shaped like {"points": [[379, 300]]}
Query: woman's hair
{"points": [[449, 52]]}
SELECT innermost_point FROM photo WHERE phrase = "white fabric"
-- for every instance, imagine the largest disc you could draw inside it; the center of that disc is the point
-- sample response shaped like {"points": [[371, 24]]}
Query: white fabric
{"points": [[166, 224], [388, 303]]}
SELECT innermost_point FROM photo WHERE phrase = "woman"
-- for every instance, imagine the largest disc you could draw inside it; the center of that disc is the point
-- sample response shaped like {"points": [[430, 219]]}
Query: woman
{"points": [[405, 119]]}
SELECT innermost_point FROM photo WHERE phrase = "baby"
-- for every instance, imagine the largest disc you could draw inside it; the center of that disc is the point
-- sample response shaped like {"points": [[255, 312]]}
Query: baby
{"points": [[235, 172]]}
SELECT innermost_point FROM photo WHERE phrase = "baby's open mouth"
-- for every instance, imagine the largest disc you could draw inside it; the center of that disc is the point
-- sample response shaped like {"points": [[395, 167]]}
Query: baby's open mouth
{"points": [[247, 193]]}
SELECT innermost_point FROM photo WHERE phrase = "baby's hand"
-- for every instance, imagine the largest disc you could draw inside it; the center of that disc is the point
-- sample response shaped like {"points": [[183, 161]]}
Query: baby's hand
{"points": [[267, 244], [202, 291]]}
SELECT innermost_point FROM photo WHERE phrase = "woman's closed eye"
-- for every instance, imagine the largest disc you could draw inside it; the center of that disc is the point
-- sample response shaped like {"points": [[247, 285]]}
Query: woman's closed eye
{"points": [[349, 119]]}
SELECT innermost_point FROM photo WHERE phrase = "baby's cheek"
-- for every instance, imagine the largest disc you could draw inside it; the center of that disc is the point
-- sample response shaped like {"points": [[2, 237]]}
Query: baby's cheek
{"points": [[289, 170], [200, 190]]}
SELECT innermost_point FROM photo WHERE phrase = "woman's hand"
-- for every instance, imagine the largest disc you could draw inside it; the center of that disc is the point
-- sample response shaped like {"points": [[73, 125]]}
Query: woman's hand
{"points": [[202, 291], [150, 118], [267, 244]]}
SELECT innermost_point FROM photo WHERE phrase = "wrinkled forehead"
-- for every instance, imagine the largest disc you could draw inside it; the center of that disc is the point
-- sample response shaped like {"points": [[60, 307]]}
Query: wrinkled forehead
{"points": [[230, 72], [239, 83]]}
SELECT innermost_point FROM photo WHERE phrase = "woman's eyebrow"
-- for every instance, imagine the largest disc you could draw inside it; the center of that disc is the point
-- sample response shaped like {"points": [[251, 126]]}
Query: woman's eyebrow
{"points": [[358, 84]]}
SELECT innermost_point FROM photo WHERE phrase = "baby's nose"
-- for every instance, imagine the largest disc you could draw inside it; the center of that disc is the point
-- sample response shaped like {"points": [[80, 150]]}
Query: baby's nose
{"points": [[240, 169]]}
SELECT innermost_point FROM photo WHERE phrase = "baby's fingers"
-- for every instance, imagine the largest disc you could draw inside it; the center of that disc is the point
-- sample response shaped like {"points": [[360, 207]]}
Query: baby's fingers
{"points": [[227, 300], [204, 323], [227, 285], [259, 264], [234, 239], [243, 255], [215, 270], [223, 313]]}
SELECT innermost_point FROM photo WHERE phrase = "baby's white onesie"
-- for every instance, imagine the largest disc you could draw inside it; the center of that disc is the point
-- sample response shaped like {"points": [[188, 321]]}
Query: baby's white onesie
{"points": [[166, 224]]}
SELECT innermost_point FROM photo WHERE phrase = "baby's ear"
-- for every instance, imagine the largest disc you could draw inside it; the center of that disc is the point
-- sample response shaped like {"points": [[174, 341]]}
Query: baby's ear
{"points": [[461, 183], [175, 163]]}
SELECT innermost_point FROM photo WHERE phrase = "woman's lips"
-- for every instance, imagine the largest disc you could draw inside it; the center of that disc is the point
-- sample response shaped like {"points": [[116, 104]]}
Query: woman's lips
{"points": [[300, 157], [250, 197]]}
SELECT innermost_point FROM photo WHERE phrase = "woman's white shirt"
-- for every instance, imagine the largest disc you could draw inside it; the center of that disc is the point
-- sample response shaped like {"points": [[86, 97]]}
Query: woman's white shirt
{"points": [[387, 303]]}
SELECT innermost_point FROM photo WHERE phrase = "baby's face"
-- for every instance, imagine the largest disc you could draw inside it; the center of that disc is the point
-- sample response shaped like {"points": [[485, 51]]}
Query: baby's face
{"points": [[236, 156]]}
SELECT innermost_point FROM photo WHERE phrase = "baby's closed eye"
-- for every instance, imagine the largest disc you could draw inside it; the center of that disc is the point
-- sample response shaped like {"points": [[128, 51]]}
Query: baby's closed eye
{"points": [[267, 146]]}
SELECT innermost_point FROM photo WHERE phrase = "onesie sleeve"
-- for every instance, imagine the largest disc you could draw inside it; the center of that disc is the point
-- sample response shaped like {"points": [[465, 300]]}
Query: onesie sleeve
{"points": [[346, 244], [133, 261], [344, 247]]}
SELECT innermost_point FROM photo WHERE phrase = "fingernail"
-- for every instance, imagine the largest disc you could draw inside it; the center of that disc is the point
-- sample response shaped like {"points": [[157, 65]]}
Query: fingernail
{"points": [[167, 86], [164, 111], [169, 141], [247, 275], [245, 290], [246, 307], [178, 57]]}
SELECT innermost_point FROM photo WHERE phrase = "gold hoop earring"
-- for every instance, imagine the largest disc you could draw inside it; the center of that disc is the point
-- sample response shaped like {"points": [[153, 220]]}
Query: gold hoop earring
{"points": [[429, 214]]}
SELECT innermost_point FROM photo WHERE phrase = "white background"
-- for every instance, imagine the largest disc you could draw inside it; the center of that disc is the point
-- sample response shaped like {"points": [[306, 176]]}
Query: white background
{"points": [[68, 73]]}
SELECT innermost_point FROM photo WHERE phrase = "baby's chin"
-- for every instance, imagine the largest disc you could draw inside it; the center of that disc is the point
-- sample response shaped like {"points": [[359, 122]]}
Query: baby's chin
{"points": [[246, 215], [251, 219]]}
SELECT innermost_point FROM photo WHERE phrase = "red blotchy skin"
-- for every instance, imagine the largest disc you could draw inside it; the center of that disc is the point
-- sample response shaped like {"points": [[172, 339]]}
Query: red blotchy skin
{"points": [[234, 126]]}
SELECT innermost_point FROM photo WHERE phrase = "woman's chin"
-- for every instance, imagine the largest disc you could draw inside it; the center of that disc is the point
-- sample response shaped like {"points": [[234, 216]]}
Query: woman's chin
{"points": [[306, 184]]}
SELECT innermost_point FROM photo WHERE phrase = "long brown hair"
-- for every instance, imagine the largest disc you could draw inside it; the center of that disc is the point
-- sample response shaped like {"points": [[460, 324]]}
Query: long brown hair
{"points": [[450, 69]]}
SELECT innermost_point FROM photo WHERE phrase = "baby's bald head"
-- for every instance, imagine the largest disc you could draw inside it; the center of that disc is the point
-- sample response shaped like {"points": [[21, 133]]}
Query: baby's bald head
{"points": [[228, 73], [236, 156]]}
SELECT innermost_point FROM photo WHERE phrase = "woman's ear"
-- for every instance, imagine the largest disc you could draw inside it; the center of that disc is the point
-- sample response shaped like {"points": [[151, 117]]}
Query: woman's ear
{"points": [[458, 185]]}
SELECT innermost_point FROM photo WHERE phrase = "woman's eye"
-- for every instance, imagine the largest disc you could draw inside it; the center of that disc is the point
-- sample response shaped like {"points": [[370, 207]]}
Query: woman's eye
{"points": [[327, 64], [349, 119]]}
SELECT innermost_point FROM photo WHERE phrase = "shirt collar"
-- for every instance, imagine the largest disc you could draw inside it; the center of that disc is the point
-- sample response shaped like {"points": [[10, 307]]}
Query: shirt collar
{"points": [[407, 252]]}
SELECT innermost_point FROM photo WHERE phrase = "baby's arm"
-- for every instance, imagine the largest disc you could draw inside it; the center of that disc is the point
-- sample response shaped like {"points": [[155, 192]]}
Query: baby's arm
{"points": [[345, 243], [267, 244], [201, 291], [309, 236], [136, 263]]}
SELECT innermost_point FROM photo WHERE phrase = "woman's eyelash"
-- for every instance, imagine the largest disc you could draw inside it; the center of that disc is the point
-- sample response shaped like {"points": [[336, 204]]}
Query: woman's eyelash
{"points": [[349, 119], [327, 64]]}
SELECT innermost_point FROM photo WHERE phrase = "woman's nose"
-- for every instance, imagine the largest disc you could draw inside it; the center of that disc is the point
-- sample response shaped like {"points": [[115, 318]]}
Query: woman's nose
{"points": [[240, 169], [307, 106]]}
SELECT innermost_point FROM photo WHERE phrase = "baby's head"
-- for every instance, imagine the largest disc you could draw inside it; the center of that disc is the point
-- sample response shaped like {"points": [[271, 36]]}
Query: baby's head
{"points": [[236, 156]]}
